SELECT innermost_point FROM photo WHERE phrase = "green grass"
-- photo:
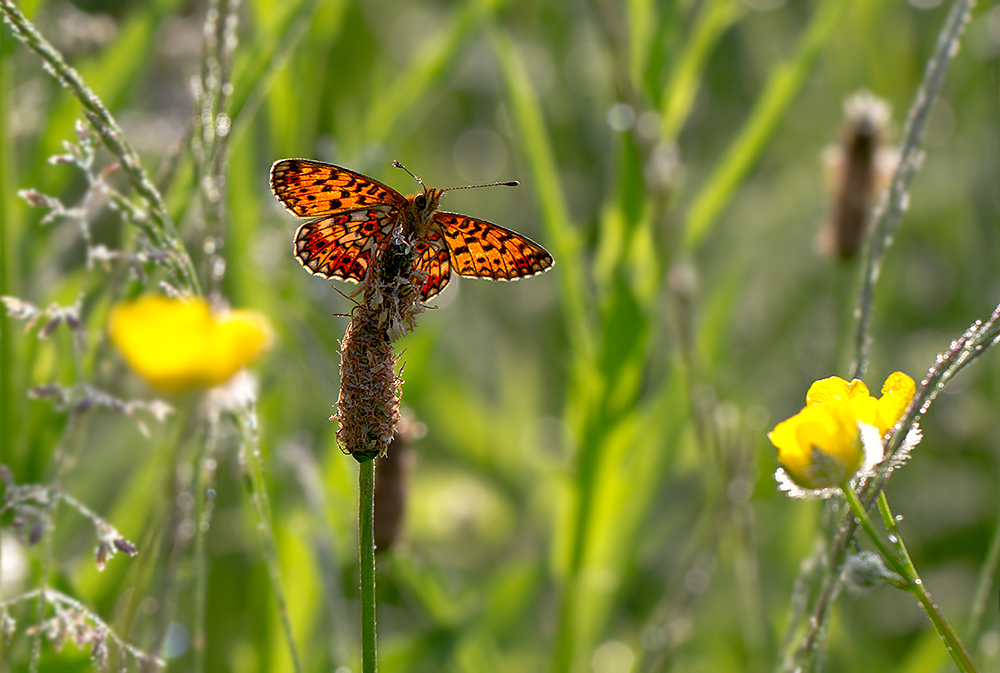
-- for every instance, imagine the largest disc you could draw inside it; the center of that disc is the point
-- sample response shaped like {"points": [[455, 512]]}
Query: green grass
{"points": [[595, 483]]}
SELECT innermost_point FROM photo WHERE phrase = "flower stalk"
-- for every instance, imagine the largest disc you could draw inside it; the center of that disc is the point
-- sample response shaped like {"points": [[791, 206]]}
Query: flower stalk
{"points": [[899, 560], [366, 556]]}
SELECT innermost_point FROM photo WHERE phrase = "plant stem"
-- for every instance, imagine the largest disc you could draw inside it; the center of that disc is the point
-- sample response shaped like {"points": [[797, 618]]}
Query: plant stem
{"points": [[204, 481], [903, 565], [366, 550]]}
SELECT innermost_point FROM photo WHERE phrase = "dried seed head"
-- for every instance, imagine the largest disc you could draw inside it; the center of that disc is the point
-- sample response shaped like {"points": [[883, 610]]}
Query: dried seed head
{"points": [[49, 327], [37, 199], [82, 131], [99, 651], [125, 547], [103, 554], [57, 630], [73, 319]]}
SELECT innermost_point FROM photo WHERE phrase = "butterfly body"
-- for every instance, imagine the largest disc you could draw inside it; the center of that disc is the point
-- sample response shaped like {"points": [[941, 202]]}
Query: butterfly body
{"points": [[354, 216]]}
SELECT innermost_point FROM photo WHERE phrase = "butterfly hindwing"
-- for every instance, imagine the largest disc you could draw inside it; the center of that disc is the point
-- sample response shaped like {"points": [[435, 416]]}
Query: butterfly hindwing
{"points": [[342, 245], [432, 260], [313, 188], [480, 249]]}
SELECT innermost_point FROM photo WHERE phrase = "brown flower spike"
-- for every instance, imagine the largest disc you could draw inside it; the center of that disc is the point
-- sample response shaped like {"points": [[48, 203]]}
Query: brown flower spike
{"points": [[368, 407]]}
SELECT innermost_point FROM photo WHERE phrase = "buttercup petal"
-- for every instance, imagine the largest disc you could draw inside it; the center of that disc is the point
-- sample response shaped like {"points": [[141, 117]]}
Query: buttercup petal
{"points": [[177, 345]]}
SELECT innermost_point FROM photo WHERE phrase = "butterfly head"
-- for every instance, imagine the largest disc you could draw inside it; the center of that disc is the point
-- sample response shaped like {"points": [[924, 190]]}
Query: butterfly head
{"points": [[422, 206]]}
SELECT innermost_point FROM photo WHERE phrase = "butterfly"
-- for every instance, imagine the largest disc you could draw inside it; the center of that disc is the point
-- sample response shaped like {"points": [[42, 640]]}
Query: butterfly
{"points": [[355, 216]]}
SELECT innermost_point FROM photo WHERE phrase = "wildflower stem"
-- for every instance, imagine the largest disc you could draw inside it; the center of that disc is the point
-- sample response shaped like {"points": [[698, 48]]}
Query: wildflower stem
{"points": [[901, 563], [366, 550]]}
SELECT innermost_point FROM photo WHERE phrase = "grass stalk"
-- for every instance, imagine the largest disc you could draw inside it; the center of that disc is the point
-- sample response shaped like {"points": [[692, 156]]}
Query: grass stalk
{"points": [[255, 80], [159, 227], [679, 95]]}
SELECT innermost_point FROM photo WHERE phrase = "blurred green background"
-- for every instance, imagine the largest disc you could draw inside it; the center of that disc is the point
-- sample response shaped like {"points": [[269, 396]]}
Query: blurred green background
{"points": [[593, 491]]}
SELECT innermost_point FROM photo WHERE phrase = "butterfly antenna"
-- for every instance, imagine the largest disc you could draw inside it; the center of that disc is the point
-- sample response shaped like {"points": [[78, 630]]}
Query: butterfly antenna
{"points": [[396, 164], [512, 183]]}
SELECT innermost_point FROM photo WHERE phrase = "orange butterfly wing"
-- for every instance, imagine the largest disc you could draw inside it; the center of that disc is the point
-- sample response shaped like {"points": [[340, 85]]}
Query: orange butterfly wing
{"points": [[432, 259], [480, 249], [355, 215], [312, 188], [341, 245]]}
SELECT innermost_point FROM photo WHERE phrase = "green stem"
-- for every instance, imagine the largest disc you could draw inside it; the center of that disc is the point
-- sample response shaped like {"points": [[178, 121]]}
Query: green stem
{"points": [[204, 481], [366, 550], [903, 565]]}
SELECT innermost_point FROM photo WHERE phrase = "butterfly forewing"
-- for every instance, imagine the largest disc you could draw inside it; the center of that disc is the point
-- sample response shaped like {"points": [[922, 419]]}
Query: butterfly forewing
{"points": [[313, 188], [483, 250]]}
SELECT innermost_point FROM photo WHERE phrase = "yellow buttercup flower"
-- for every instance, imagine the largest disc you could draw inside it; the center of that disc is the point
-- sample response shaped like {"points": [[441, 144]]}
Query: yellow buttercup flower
{"points": [[824, 444], [179, 344]]}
